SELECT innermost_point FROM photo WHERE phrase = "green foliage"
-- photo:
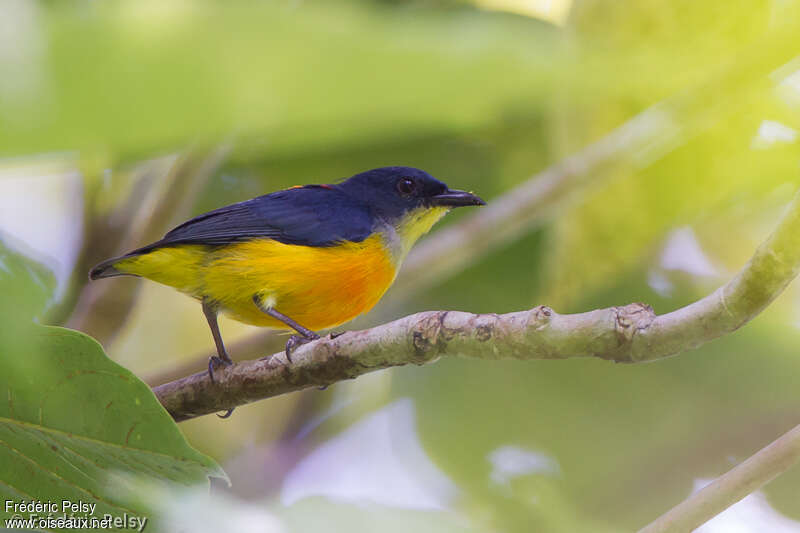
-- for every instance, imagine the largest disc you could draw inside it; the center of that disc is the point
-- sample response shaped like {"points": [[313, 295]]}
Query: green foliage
{"points": [[315, 91], [73, 424], [612, 229], [133, 77]]}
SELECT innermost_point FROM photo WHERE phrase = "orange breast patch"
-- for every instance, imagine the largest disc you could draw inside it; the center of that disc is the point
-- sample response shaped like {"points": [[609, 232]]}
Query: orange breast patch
{"points": [[318, 287]]}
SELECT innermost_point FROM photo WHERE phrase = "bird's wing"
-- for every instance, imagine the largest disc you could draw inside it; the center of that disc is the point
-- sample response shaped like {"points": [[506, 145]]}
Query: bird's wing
{"points": [[310, 216]]}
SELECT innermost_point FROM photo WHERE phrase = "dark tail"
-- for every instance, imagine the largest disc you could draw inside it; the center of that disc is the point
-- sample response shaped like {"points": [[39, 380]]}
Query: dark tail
{"points": [[105, 270]]}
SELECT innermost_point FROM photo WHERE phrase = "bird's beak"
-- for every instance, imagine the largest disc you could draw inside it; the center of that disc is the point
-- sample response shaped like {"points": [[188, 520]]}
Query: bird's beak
{"points": [[455, 198]]}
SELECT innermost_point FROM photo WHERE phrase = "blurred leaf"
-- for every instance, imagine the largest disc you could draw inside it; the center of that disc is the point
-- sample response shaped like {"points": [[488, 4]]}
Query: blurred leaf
{"points": [[319, 514], [713, 165], [132, 77], [553, 11], [26, 289], [611, 229]]}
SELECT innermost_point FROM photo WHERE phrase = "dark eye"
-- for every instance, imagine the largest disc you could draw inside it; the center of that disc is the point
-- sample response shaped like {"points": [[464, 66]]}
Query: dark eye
{"points": [[406, 186]]}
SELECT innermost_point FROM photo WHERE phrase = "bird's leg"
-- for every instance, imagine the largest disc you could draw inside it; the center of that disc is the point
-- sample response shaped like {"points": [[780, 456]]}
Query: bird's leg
{"points": [[306, 335], [222, 357]]}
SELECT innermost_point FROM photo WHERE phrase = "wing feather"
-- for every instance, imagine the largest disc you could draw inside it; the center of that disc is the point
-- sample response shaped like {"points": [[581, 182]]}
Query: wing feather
{"points": [[309, 216]]}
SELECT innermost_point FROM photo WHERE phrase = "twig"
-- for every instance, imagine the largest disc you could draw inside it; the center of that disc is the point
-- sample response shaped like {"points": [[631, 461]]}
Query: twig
{"points": [[629, 334], [758, 470]]}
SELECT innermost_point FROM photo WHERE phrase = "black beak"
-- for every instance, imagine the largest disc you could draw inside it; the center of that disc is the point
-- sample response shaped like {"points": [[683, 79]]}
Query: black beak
{"points": [[455, 198]]}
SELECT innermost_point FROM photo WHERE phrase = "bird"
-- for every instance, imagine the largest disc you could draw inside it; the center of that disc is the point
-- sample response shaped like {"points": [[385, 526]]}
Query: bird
{"points": [[304, 259]]}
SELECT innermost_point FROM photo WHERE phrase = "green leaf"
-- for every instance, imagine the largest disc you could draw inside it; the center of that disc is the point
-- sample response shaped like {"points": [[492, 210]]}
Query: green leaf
{"points": [[74, 420], [26, 288], [74, 424]]}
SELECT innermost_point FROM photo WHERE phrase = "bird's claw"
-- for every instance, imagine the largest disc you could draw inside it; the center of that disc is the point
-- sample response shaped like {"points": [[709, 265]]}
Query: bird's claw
{"points": [[228, 413], [215, 362], [296, 341]]}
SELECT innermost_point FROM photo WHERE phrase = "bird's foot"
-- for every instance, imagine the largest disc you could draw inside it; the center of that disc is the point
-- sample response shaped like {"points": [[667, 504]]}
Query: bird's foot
{"points": [[228, 413], [332, 335], [215, 362], [296, 341]]}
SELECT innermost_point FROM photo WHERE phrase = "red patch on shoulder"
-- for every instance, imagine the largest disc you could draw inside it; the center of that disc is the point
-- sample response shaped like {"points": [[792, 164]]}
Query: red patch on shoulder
{"points": [[326, 186]]}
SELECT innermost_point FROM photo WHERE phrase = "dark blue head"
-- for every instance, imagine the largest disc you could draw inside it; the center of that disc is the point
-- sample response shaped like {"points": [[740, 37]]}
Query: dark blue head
{"points": [[393, 192]]}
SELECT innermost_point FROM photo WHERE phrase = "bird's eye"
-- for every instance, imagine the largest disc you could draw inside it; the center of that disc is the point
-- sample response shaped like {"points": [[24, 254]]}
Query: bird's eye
{"points": [[406, 186]]}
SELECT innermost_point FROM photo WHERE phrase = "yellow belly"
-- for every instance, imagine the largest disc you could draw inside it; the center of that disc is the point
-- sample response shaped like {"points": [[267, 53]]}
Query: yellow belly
{"points": [[317, 287]]}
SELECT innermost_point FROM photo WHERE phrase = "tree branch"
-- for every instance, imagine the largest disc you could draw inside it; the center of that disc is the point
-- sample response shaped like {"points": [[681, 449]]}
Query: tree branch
{"points": [[645, 138], [750, 475], [628, 334]]}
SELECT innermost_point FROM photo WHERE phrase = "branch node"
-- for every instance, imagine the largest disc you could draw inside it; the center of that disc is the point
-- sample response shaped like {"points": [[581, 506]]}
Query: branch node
{"points": [[484, 332], [540, 317], [427, 337], [628, 321]]}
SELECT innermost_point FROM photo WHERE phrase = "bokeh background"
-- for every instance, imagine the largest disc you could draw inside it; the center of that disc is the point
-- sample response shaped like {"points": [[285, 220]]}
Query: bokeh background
{"points": [[670, 132]]}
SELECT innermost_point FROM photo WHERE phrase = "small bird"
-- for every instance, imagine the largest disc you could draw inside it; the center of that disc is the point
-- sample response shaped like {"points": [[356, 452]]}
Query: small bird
{"points": [[305, 259]]}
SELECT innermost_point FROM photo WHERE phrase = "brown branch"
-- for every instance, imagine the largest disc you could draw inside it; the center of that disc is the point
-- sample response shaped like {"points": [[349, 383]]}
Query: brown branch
{"points": [[755, 472], [628, 334]]}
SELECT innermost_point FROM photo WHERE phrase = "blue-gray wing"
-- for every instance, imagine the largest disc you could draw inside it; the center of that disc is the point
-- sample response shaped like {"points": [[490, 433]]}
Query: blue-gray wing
{"points": [[309, 216]]}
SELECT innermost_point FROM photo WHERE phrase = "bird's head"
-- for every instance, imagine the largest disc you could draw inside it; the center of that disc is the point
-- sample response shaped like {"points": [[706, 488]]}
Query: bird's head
{"points": [[406, 199]]}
